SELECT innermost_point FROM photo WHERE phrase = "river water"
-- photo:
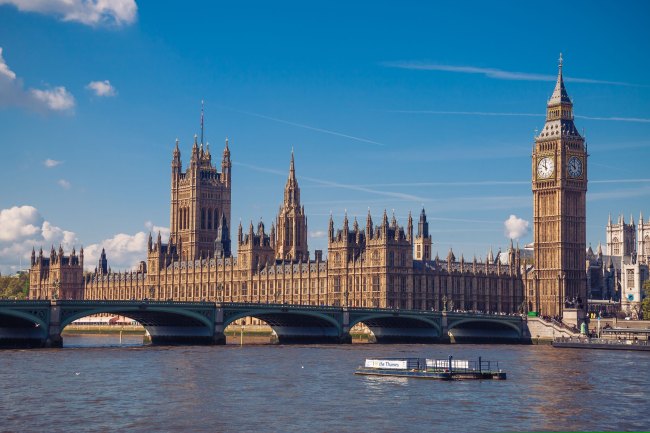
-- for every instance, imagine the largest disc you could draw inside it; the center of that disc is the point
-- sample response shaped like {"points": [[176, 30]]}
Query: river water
{"points": [[258, 388]]}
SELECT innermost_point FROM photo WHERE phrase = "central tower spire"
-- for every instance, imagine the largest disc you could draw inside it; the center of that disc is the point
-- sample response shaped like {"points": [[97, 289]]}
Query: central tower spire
{"points": [[291, 222]]}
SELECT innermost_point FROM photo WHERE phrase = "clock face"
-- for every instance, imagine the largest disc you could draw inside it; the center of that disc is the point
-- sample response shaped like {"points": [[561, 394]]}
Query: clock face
{"points": [[574, 167], [545, 167]]}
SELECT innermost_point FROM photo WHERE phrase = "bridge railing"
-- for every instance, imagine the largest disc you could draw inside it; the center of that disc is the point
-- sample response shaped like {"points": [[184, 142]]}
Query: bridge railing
{"points": [[24, 302]]}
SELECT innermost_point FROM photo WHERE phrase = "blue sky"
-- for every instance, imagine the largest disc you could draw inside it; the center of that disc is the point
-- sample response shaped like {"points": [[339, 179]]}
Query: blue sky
{"points": [[386, 106]]}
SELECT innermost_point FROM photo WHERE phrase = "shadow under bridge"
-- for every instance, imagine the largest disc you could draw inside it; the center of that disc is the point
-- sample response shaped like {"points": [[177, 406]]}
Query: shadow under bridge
{"points": [[165, 322], [294, 324], [399, 326], [24, 323], [504, 329]]}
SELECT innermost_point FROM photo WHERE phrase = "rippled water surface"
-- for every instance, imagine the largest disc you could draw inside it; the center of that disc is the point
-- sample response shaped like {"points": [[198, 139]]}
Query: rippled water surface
{"points": [[312, 388]]}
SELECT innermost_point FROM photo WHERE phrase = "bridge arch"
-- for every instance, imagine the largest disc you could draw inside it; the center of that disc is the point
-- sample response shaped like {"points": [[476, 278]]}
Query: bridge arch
{"points": [[294, 326], [482, 328], [393, 327], [164, 324], [22, 328]]}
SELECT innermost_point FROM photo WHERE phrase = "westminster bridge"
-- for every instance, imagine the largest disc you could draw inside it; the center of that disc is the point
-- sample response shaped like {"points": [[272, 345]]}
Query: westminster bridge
{"points": [[39, 323]]}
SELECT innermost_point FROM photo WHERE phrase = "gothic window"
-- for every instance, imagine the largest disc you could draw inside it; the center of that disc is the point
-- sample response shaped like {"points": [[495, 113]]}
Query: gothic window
{"points": [[402, 287], [337, 258], [209, 219], [402, 259], [375, 283], [630, 278], [203, 218], [391, 259], [375, 257], [647, 245], [616, 247], [337, 284]]}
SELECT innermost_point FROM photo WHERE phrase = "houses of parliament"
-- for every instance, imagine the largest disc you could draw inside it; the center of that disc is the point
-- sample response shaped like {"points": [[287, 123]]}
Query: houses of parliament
{"points": [[380, 264]]}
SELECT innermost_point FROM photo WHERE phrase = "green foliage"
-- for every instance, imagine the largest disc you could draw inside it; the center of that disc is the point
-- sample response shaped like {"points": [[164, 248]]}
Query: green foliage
{"points": [[14, 287], [645, 305]]}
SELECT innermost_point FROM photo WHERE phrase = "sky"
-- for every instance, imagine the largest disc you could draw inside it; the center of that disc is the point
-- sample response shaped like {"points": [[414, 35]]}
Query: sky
{"points": [[386, 105]]}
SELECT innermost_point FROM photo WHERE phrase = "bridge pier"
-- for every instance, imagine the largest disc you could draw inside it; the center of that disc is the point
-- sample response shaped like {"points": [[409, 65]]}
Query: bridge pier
{"points": [[445, 337], [54, 338], [219, 336]]}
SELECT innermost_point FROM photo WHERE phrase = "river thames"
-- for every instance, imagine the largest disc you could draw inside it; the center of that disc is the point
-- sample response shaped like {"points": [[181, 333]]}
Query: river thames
{"points": [[312, 388]]}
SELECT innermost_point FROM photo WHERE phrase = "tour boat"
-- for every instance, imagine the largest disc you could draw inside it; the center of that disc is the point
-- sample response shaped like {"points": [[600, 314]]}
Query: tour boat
{"points": [[440, 369]]}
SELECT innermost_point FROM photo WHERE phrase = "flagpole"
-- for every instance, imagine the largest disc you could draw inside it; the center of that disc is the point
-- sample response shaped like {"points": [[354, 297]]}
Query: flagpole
{"points": [[201, 121]]}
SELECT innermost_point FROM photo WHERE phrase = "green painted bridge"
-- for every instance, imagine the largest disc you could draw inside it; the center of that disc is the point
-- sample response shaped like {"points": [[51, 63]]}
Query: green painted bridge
{"points": [[39, 323]]}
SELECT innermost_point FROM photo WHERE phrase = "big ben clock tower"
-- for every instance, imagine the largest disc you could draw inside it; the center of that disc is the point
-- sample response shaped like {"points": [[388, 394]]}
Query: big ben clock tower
{"points": [[559, 286]]}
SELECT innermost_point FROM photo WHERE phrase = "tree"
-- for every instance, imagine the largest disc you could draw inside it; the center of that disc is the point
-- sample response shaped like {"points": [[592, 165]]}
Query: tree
{"points": [[645, 304], [14, 287]]}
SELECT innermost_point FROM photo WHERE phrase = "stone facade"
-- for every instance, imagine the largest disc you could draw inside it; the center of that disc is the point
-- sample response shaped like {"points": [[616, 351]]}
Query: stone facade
{"points": [[372, 266], [559, 174]]}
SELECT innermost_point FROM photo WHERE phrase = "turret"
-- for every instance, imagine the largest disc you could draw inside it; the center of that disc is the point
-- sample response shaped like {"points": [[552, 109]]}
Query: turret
{"points": [[194, 160], [226, 165], [409, 228], [176, 161], [369, 227], [331, 228], [33, 256], [384, 225]]}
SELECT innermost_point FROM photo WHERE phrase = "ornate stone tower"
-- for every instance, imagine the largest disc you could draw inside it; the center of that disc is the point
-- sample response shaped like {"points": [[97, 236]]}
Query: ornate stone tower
{"points": [[200, 199], [423, 239], [559, 177], [621, 237], [643, 239], [291, 223]]}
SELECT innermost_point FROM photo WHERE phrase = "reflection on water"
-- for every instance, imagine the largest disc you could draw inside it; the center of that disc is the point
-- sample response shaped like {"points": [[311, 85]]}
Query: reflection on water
{"points": [[313, 388]]}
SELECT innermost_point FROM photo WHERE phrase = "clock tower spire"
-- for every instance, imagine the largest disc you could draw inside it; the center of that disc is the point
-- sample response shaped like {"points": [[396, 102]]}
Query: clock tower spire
{"points": [[559, 166]]}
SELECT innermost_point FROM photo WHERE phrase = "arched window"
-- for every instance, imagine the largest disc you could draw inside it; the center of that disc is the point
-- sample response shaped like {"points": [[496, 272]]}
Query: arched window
{"points": [[209, 219], [391, 259], [647, 245]]}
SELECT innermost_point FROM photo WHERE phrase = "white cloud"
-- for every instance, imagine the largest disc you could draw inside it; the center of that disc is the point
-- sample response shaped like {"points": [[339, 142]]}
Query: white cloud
{"points": [[49, 163], [154, 229], [19, 222], [21, 229], [317, 234], [124, 251], [102, 88], [57, 99], [498, 74], [13, 93], [4, 69], [64, 184], [89, 12], [516, 228]]}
